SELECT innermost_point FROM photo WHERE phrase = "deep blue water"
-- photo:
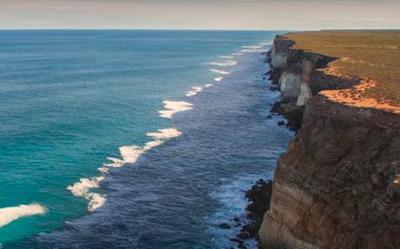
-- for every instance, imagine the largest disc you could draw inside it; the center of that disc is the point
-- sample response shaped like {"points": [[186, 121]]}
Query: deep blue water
{"points": [[71, 99]]}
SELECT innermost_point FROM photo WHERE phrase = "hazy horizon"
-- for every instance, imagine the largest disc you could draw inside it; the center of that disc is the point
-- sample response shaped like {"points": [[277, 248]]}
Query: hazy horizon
{"points": [[199, 14]]}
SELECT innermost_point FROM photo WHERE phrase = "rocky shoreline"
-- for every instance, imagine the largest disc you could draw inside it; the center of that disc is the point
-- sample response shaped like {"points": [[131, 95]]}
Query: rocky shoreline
{"points": [[259, 197], [336, 187]]}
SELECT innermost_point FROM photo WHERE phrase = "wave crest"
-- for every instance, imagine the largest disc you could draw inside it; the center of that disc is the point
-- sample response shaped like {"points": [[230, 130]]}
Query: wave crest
{"points": [[228, 57], [224, 63], [165, 134], [10, 214], [172, 107], [129, 155], [194, 91], [83, 189], [219, 71]]}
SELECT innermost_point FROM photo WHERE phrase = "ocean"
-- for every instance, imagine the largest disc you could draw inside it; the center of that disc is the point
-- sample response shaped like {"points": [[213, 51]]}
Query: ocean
{"points": [[132, 139]]}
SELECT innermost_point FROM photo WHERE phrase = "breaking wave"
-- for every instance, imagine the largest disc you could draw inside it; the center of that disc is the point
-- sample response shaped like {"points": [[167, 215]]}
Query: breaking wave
{"points": [[172, 107], [129, 155], [228, 57], [194, 91], [219, 71], [254, 48], [10, 214], [226, 63], [237, 54]]}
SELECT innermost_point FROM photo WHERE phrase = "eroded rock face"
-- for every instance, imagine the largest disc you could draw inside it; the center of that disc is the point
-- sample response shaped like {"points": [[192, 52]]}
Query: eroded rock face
{"points": [[337, 187], [295, 72], [279, 52], [290, 85], [278, 58], [305, 94], [305, 90]]}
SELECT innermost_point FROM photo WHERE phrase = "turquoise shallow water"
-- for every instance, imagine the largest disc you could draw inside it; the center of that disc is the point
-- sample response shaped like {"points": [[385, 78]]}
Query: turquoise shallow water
{"points": [[70, 99]]}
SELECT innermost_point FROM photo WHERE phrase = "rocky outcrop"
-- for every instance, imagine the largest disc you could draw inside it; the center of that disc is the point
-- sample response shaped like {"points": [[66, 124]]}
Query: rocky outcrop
{"points": [[277, 57], [279, 52], [259, 197], [338, 185], [296, 73]]}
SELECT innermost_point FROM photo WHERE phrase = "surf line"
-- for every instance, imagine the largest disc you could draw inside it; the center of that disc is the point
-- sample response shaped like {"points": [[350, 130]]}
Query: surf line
{"points": [[218, 71], [226, 63], [194, 91], [129, 155]]}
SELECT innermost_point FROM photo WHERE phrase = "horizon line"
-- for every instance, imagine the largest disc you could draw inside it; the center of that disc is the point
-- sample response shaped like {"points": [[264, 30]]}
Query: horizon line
{"points": [[195, 29], [145, 29]]}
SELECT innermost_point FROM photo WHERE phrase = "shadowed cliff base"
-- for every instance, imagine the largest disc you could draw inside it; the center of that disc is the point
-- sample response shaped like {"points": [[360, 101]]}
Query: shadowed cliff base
{"points": [[337, 186], [259, 197]]}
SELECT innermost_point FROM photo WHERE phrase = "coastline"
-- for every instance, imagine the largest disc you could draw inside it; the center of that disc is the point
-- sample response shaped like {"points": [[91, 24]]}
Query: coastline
{"points": [[131, 153], [121, 111], [334, 186], [208, 112]]}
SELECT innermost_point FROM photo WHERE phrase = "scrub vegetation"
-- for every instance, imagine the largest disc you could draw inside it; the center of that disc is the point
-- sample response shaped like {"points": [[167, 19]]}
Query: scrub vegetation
{"points": [[373, 55]]}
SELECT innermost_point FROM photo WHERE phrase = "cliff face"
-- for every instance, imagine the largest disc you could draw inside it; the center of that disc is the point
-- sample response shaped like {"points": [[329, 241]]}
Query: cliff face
{"points": [[338, 184], [298, 73]]}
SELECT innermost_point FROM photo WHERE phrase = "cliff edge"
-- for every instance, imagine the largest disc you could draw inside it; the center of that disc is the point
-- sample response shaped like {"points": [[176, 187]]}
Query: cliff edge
{"points": [[338, 185]]}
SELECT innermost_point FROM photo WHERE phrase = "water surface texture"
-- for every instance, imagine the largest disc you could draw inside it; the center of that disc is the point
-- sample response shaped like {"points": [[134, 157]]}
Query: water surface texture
{"points": [[70, 99]]}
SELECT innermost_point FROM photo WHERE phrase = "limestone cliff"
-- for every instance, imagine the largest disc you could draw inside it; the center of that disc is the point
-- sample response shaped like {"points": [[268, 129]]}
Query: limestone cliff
{"points": [[338, 185]]}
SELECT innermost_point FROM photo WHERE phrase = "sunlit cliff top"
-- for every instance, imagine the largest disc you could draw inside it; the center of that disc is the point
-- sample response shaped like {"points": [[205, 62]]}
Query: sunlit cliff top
{"points": [[374, 56]]}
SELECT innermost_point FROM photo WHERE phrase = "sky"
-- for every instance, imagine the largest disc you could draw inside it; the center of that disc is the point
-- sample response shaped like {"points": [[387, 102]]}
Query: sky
{"points": [[200, 14]]}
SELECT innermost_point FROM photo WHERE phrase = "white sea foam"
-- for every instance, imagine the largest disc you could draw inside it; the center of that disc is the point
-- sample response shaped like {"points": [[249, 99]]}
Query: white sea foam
{"points": [[164, 134], [224, 63], [129, 154], [228, 57], [219, 71], [172, 107], [232, 204], [267, 43], [152, 144], [83, 189], [252, 47], [251, 50], [237, 54], [194, 91], [104, 169], [96, 201], [10, 214]]}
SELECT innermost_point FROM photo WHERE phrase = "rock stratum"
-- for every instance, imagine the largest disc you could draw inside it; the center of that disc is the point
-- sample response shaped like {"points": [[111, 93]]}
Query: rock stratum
{"points": [[338, 185]]}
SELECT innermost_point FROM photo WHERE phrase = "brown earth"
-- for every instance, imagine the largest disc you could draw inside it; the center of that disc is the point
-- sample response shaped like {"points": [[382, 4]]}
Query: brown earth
{"points": [[338, 185], [369, 55]]}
